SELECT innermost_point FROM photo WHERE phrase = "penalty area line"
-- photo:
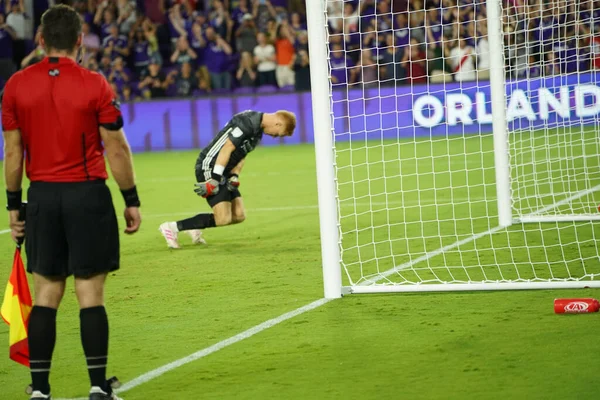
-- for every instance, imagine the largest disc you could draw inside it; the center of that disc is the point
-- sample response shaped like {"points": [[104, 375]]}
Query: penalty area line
{"points": [[155, 373]]}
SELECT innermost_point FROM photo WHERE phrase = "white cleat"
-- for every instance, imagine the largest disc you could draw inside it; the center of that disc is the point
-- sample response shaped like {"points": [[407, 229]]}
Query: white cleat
{"points": [[196, 235], [39, 395], [169, 232]]}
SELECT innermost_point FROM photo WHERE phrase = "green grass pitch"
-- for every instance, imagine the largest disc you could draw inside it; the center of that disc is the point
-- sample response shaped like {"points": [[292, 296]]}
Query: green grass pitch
{"points": [[164, 305]]}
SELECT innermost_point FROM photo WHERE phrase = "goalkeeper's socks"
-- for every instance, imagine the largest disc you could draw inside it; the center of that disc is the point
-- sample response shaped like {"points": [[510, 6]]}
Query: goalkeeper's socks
{"points": [[42, 336], [200, 221]]}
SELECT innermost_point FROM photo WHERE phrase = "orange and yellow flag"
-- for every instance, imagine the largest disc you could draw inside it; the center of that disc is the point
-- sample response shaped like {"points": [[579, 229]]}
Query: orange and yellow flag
{"points": [[15, 311]]}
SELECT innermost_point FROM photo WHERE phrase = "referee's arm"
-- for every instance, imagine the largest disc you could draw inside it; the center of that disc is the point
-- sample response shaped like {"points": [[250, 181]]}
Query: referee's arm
{"points": [[13, 175], [13, 159], [118, 154], [120, 161]]}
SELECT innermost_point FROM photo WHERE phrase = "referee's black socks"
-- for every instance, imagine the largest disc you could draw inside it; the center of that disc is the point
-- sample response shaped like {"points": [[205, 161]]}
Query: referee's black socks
{"points": [[41, 337], [94, 338], [200, 221]]}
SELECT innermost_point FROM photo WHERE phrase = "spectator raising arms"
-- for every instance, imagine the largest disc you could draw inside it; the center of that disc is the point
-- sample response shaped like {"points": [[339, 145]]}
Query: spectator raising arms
{"points": [[264, 58], [246, 35], [284, 48], [183, 52], [217, 60], [302, 70], [141, 52], [116, 44], [16, 20], [220, 20], [37, 54], [104, 18], [155, 84], [178, 24], [127, 14], [246, 75]]}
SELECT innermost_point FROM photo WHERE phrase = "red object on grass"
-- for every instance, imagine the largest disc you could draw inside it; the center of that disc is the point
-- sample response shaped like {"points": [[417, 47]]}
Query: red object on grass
{"points": [[576, 306]]}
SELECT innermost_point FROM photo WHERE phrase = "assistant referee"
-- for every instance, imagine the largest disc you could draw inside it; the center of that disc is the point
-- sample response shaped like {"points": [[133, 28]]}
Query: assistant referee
{"points": [[61, 118]]}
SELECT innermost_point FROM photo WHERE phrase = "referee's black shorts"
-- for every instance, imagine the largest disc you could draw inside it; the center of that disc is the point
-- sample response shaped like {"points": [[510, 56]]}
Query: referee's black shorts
{"points": [[71, 229]]}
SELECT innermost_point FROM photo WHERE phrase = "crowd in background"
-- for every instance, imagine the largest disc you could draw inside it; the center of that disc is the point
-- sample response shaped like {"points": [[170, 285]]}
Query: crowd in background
{"points": [[151, 49]]}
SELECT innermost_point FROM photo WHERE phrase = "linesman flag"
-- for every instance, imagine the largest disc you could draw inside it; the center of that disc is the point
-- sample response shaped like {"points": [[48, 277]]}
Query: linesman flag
{"points": [[16, 308]]}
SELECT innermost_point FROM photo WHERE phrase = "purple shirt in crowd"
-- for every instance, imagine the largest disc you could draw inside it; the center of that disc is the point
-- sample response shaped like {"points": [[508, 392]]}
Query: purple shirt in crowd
{"points": [[87, 17], [104, 31], [118, 79], [6, 50], [545, 31], [216, 59], [339, 63], [402, 36], [141, 54], [436, 31], [120, 42]]}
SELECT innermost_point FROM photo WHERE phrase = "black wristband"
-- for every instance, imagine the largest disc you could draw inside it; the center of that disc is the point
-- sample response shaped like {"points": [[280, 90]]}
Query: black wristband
{"points": [[13, 200], [216, 176], [131, 197], [232, 175]]}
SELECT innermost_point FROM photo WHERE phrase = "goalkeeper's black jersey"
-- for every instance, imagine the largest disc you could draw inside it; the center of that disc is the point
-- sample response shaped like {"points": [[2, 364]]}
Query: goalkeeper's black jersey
{"points": [[245, 132]]}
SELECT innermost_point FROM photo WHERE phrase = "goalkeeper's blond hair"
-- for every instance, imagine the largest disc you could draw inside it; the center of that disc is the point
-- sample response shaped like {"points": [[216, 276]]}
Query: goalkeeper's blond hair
{"points": [[289, 118]]}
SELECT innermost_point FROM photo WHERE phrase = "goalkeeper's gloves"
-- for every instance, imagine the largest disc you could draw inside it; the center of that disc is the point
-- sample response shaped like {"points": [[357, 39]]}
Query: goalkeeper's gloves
{"points": [[233, 183], [208, 188]]}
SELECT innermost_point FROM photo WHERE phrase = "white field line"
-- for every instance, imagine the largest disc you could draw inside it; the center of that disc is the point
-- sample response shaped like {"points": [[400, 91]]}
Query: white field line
{"points": [[567, 200], [429, 255], [155, 373], [4, 231], [343, 205]]}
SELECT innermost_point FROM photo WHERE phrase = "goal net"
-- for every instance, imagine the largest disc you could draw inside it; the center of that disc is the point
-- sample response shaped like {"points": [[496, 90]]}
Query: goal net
{"points": [[465, 141]]}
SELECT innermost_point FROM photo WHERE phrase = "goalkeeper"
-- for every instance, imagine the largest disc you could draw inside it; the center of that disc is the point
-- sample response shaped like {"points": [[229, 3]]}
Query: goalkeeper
{"points": [[218, 168]]}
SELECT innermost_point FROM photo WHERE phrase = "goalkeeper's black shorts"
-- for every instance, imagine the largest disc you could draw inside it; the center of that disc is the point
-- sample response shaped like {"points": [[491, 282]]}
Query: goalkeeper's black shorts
{"points": [[71, 229], [224, 193]]}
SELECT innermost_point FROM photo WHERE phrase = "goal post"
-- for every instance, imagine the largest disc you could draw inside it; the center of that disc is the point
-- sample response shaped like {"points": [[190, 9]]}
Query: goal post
{"points": [[498, 100], [456, 144], [328, 214]]}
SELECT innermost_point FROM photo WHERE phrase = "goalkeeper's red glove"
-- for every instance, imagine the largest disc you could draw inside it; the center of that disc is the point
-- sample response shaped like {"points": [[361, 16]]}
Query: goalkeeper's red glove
{"points": [[233, 182], [208, 188]]}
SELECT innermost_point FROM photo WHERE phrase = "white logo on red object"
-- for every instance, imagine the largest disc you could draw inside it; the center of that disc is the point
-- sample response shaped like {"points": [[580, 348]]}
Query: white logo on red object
{"points": [[576, 306]]}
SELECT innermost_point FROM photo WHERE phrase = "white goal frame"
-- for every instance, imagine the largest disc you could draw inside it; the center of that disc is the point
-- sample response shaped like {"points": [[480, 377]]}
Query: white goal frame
{"points": [[326, 179]]}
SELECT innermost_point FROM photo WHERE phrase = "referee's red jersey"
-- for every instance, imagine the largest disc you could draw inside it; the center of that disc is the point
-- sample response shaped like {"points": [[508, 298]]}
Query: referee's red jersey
{"points": [[58, 106]]}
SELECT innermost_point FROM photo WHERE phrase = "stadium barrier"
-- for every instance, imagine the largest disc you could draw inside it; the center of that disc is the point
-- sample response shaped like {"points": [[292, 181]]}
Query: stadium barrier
{"points": [[421, 110]]}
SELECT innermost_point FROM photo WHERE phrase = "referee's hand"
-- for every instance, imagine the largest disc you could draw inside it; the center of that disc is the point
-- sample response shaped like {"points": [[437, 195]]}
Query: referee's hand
{"points": [[17, 228], [133, 219]]}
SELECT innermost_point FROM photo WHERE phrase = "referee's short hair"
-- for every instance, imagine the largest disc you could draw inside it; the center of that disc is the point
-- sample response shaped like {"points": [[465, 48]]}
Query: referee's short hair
{"points": [[61, 28]]}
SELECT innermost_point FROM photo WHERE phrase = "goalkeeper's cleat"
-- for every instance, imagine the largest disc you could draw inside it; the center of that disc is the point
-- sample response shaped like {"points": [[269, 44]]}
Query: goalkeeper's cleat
{"points": [[97, 393], [169, 231], [196, 235], [39, 395]]}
